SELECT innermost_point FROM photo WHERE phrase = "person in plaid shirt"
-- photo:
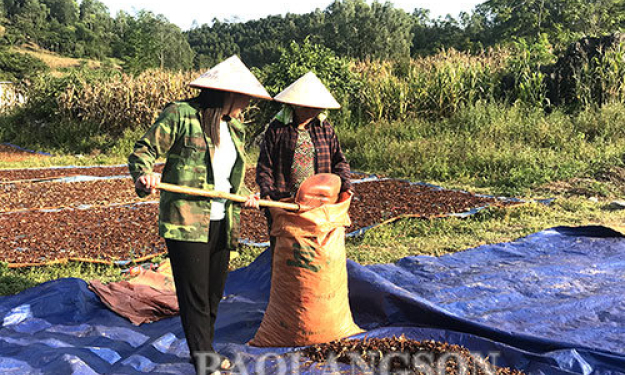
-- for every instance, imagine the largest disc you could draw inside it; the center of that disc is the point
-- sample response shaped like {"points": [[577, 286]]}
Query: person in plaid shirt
{"points": [[299, 143]]}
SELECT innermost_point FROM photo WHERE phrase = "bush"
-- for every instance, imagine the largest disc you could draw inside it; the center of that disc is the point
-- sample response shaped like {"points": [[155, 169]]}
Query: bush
{"points": [[524, 82], [297, 60], [590, 73], [16, 67]]}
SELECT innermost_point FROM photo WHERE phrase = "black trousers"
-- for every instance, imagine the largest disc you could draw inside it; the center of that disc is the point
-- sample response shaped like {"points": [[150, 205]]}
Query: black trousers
{"points": [[200, 271], [272, 240]]}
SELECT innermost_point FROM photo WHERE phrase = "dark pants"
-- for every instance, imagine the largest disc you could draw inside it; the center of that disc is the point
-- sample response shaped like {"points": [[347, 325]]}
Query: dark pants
{"points": [[272, 240], [200, 271]]}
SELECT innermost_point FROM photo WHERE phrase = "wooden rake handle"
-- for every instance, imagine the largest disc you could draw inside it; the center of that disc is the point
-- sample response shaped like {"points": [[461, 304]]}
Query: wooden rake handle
{"points": [[220, 194]]}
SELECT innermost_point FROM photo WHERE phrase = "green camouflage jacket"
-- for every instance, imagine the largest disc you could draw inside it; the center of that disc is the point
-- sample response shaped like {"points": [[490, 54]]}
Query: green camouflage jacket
{"points": [[178, 135]]}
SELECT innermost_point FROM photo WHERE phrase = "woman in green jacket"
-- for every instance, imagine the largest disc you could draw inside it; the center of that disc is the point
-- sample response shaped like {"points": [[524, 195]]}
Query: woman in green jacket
{"points": [[203, 142]]}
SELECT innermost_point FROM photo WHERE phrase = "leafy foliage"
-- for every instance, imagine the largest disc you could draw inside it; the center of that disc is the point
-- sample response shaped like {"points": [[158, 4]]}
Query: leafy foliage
{"points": [[257, 42], [350, 28], [16, 66], [150, 41], [297, 60], [561, 20], [142, 41], [508, 147], [377, 31]]}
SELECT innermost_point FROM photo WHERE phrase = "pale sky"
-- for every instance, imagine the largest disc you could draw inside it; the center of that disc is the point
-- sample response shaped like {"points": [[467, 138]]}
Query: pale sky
{"points": [[183, 12]]}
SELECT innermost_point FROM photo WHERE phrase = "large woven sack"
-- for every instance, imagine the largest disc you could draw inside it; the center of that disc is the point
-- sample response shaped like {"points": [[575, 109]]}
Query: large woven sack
{"points": [[309, 302]]}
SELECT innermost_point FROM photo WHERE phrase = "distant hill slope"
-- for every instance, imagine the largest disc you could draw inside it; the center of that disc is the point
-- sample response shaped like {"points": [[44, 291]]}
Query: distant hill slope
{"points": [[56, 62]]}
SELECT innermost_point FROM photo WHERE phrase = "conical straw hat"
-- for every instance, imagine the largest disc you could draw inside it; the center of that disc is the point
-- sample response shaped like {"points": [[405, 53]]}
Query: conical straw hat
{"points": [[308, 91], [231, 75]]}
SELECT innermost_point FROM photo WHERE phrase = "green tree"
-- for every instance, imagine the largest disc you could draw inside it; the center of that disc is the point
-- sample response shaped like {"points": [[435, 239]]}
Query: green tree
{"points": [[11, 7], [59, 33], [468, 32], [28, 21], [150, 41], [64, 11], [121, 29], [60, 38], [377, 31], [298, 59], [95, 29], [257, 42], [173, 51], [476, 29], [422, 33], [596, 17], [348, 27], [561, 20], [212, 43]]}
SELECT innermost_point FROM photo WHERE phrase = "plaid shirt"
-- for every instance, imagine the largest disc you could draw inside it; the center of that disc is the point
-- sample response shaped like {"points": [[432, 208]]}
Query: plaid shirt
{"points": [[273, 170]]}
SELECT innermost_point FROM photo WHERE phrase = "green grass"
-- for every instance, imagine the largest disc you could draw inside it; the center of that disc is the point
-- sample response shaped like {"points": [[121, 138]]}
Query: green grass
{"points": [[16, 280], [508, 148], [443, 236], [247, 254], [53, 60]]}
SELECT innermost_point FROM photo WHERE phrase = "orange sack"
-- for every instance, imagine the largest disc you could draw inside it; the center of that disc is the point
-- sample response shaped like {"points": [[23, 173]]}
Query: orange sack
{"points": [[309, 302]]}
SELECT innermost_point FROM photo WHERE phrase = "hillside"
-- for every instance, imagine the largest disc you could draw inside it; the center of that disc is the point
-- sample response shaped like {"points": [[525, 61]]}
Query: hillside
{"points": [[57, 63]]}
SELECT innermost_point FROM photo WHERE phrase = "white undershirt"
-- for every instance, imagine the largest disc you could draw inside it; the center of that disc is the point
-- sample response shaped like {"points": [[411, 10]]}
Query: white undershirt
{"points": [[222, 163]]}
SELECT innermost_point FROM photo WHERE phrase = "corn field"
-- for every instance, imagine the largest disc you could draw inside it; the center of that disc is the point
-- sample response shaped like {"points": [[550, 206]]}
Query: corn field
{"points": [[433, 87], [124, 102]]}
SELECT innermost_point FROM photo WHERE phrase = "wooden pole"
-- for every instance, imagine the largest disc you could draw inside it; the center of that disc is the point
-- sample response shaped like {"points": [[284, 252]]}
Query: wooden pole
{"points": [[220, 194]]}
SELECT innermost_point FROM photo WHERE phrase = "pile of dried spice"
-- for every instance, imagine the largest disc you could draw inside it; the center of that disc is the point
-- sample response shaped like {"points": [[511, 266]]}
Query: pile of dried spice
{"points": [[35, 196], [28, 174], [30, 232], [102, 233], [401, 355], [12, 154]]}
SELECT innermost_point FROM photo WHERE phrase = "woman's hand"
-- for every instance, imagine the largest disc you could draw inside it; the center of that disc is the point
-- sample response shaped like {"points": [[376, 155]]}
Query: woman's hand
{"points": [[148, 182], [252, 201]]}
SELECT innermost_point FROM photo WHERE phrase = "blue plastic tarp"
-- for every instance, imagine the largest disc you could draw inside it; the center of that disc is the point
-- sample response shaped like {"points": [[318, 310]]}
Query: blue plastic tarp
{"points": [[548, 304]]}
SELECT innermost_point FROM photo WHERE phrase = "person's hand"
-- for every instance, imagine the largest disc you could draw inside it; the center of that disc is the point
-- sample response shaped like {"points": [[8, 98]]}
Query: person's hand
{"points": [[252, 201], [148, 182]]}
